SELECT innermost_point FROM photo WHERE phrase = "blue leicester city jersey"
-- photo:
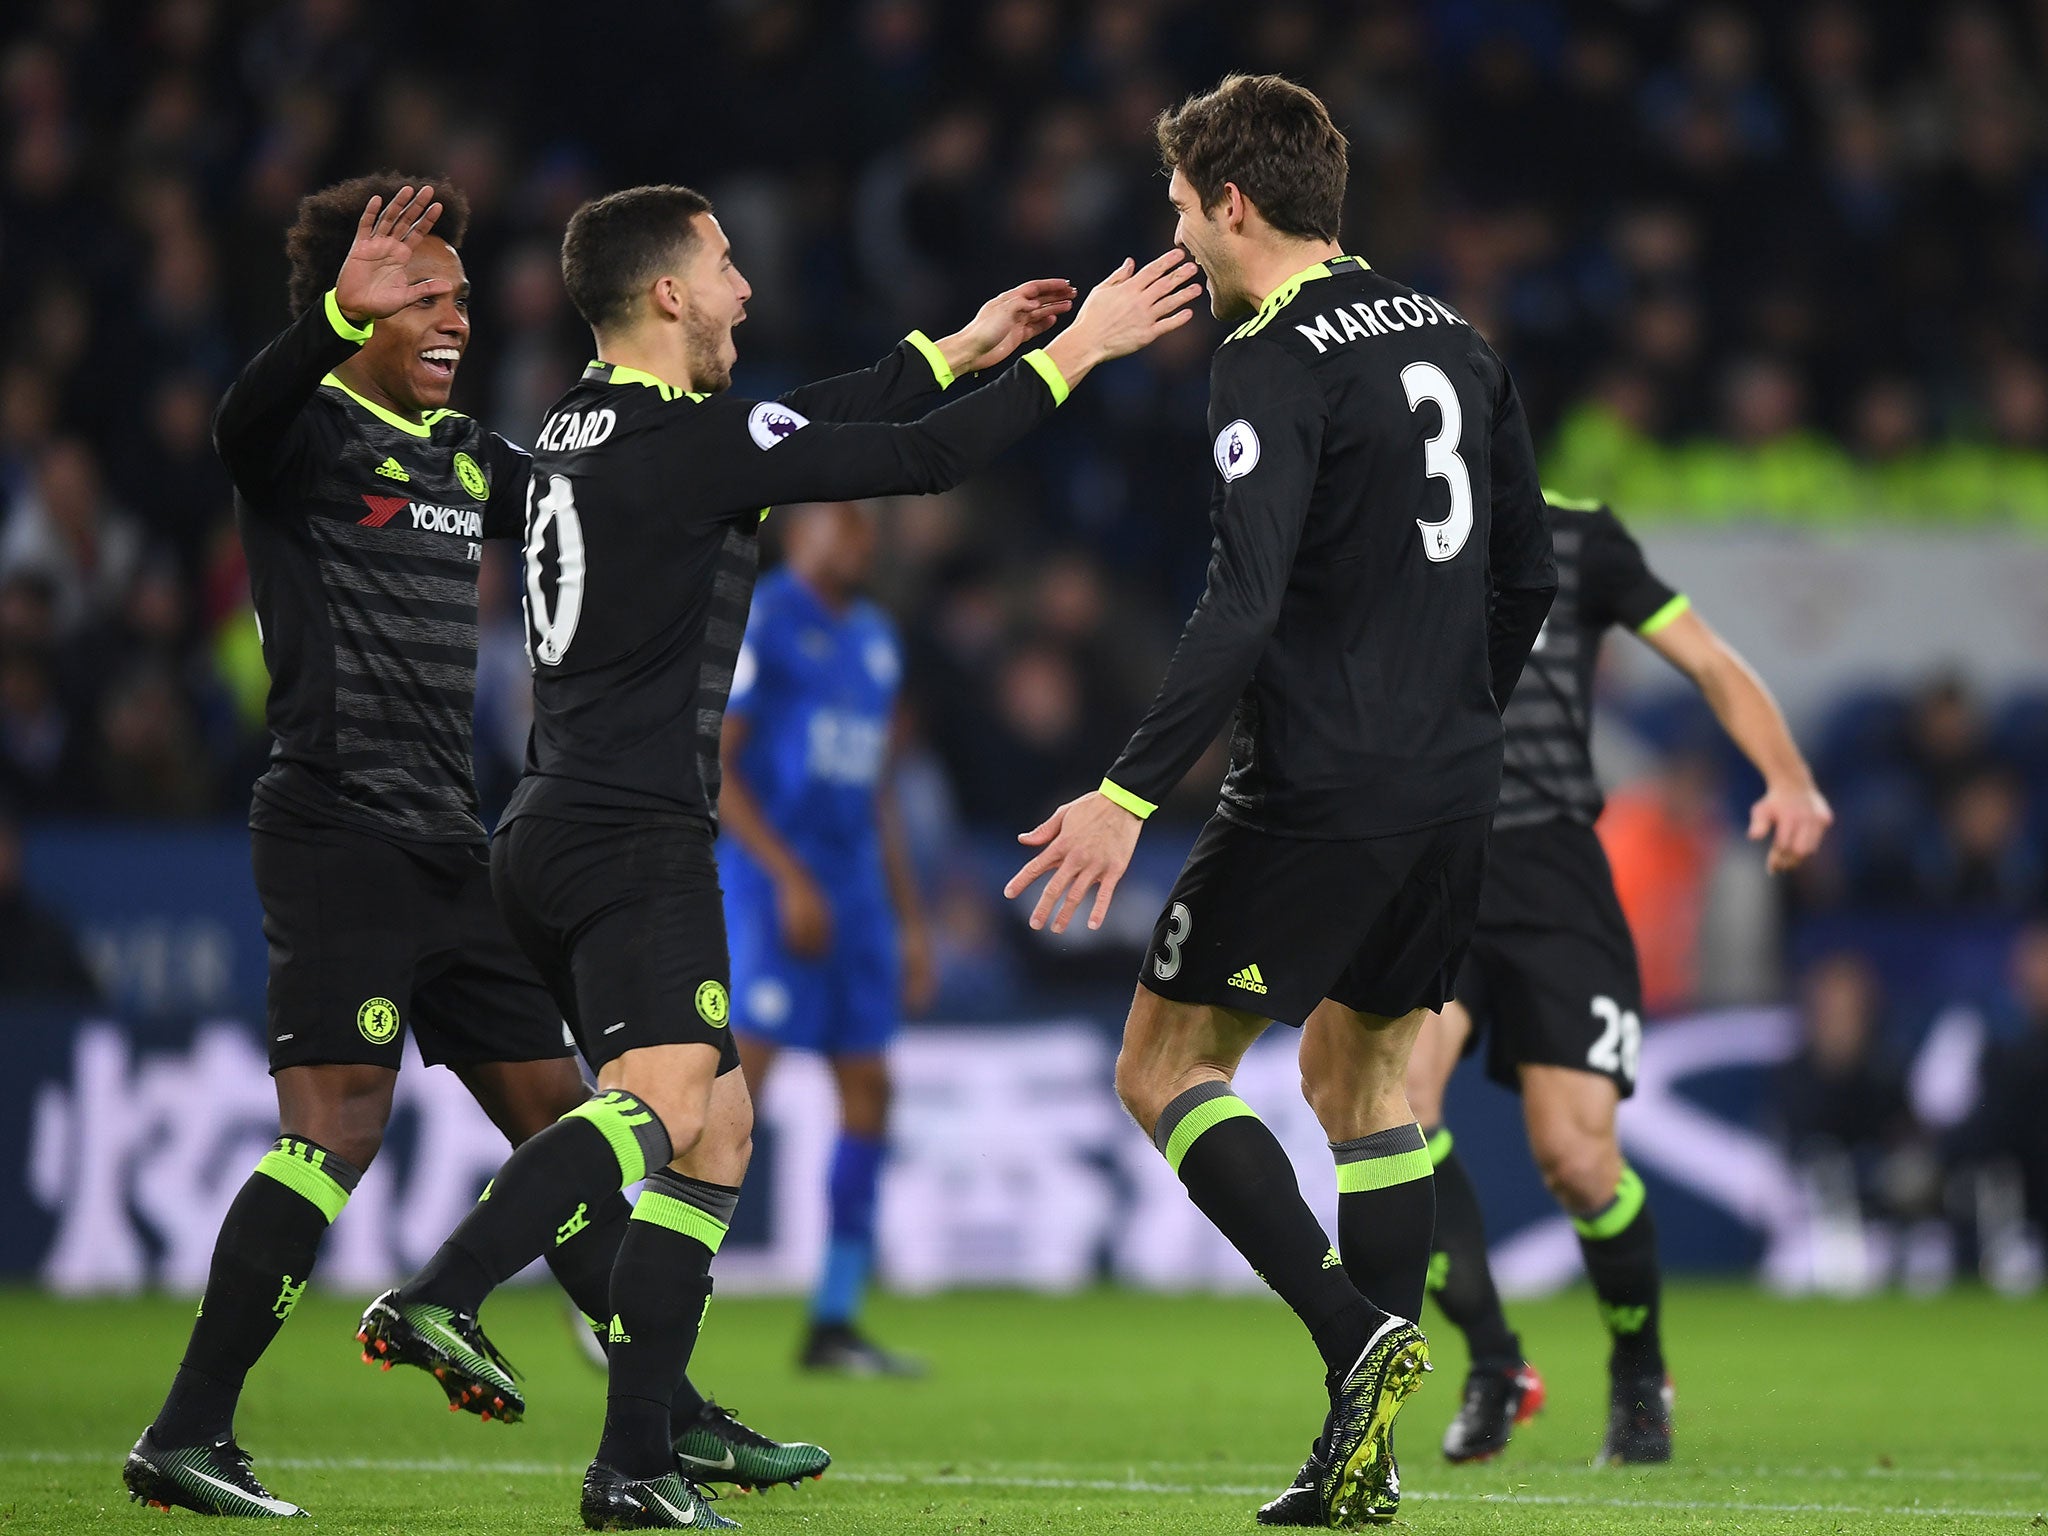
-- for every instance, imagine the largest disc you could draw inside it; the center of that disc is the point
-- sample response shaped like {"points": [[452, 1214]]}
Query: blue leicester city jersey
{"points": [[818, 691]]}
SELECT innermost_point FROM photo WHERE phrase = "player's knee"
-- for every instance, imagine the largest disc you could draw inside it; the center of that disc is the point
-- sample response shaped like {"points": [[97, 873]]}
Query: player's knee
{"points": [[1139, 1086], [350, 1125], [1578, 1169]]}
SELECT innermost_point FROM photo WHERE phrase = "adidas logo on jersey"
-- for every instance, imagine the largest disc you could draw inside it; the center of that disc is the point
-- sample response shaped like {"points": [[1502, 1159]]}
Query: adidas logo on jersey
{"points": [[391, 469], [1249, 980]]}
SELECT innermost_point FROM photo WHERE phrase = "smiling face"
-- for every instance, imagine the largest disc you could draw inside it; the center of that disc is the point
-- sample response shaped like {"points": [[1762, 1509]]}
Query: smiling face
{"points": [[1204, 235], [715, 301], [411, 357]]}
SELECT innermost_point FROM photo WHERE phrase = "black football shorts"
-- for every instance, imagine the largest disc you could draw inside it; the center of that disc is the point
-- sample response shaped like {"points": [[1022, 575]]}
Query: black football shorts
{"points": [[1551, 977], [626, 925], [1274, 925], [369, 938]]}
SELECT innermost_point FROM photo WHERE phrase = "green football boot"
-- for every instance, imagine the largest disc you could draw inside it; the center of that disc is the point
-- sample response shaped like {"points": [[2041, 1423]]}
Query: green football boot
{"points": [[210, 1479], [1360, 1484], [447, 1345], [613, 1501], [715, 1447]]}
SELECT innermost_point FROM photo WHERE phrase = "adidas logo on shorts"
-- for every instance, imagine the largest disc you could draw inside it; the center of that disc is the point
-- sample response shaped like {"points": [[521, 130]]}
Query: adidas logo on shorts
{"points": [[1249, 980]]}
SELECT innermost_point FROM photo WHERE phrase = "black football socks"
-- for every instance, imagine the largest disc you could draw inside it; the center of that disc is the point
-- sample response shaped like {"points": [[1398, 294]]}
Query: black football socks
{"points": [[1619, 1242], [261, 1259], [1386, 1211], [661, 1287], [1459, 1276], [1238, 1175], [548, 1187], [583, 1265]]}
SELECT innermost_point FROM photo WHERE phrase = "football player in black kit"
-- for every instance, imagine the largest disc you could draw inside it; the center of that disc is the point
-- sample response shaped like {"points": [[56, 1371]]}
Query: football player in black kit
{"points": [[362, 502], [1381, 565], [1551, 983], [650, 482]]}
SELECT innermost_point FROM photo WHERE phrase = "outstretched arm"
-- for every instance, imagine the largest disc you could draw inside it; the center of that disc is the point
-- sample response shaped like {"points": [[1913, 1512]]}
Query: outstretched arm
{"points": [[253, 429], [790, 459], [1793, 814], [898, 387]]}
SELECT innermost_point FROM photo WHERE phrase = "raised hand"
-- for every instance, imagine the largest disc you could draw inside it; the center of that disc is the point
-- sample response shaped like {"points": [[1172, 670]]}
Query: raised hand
{"points": [[1135, 306], [1006, 322], [372, 283]]}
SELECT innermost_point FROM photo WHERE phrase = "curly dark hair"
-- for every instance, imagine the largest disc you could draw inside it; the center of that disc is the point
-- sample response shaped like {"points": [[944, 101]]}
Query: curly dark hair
{"points": [[318, 241], [1274, 139]]}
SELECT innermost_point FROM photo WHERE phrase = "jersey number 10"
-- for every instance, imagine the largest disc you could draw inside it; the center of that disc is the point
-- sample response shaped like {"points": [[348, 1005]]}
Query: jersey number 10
{"points": [[1440, 461], [551, 626]]}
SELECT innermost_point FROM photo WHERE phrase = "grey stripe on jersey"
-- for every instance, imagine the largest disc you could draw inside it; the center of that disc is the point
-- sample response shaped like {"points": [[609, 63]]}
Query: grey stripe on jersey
{"points": [[1547, 756], [453, 590], [431, 674]]}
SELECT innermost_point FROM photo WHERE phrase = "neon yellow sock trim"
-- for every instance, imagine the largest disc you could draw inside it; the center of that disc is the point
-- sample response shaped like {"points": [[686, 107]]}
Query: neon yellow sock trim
{"points": [[1665, 616], [304, 1177], [1383, 1172], [344, 327], [1613, 1218], [615, 1114], [679, 1216], [940, 370], [1116, 794], [1203, 1117], [1049, 371]]}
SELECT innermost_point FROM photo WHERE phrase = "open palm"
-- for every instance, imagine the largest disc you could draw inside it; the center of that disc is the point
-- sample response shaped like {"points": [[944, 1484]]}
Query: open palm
{"points": [[1012, 318], [372, 283]]}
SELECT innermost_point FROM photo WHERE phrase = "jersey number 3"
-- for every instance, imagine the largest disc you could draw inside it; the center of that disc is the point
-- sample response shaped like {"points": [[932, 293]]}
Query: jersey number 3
{"points": [[552, 625], [1440, 461]]}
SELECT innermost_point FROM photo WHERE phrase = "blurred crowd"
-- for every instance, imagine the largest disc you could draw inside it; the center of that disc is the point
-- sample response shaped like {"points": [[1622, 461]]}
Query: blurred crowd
{"points": [[1914, 1159], [1771, 257]]}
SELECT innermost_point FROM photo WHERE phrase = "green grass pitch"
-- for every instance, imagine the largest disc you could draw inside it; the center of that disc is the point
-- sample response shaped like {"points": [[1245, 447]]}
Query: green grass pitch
{"points": [[1108, 1412]]}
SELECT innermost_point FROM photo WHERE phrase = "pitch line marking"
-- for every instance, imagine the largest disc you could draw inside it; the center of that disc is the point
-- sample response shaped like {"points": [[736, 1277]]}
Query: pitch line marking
{"points": [[1091, 1485]]}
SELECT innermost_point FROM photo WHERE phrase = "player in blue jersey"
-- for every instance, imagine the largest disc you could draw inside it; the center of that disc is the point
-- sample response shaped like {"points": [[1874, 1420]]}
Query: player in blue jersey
{"points": [[828, 942]]}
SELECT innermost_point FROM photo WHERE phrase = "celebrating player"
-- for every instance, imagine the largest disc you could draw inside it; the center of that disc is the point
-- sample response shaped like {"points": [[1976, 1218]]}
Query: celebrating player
{"points": [[650, 481], [362, 503], [828, 941], [1381, 566], [1551, 979]]}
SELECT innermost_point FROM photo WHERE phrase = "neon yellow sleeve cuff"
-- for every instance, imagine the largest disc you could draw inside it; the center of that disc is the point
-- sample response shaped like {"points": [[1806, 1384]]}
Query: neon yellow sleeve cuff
{"points": [[1049, 371], [1664, 616], [345, 328], [1116, 794], [934, 356]]}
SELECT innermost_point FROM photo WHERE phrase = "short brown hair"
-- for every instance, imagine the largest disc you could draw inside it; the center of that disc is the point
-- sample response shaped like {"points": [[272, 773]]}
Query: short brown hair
{"points": [[318, 241], [1274, 139], [617, 244]]}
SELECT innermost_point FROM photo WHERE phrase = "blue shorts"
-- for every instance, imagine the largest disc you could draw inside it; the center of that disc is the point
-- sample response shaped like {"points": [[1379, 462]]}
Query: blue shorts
{"points": [[849, 1002]]}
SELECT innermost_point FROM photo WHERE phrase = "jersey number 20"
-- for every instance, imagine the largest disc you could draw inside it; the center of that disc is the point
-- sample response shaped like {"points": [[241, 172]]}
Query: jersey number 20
{"points": [[553, 625], [1440, 461]]}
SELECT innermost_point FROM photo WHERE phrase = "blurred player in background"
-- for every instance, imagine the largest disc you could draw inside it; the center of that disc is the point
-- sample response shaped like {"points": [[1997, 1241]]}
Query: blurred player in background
{"points": [[829, 944], [1551, 982], [1381, 565]]}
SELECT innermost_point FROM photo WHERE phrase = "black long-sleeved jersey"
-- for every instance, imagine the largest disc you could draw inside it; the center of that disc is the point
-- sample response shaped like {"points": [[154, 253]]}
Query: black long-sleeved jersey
{"points": [[642, 543], [363, 532], [1602, 580], [1381, 566]]}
